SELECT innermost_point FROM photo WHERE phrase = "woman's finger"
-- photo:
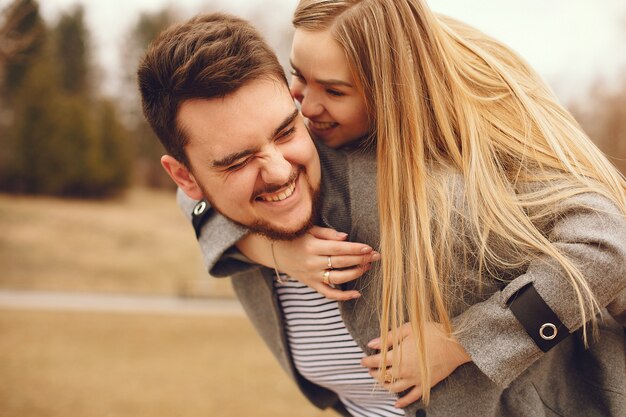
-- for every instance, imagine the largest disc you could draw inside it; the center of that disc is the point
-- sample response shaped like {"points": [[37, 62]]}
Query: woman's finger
{"points": [[327, 234], [409, 398], [382, 376], [403, 331], [349, 261], [336, 294], [373, 361], [386, 379], [398, 386], [323, 247], [341, 276]]}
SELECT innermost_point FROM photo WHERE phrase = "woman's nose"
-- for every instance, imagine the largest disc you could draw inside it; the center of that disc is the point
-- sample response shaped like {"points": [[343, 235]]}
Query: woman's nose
{"points": [[310, 105]]}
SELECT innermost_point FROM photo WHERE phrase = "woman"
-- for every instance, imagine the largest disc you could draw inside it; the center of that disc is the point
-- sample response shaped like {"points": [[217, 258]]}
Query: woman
{"points": [[486, 187]]}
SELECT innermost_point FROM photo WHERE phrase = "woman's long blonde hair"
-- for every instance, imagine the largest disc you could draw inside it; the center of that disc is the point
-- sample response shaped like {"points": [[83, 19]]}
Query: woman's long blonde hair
{"points": [[443, 96]]}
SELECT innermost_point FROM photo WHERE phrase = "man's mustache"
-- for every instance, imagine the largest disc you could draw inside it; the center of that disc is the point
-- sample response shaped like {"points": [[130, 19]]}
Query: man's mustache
{"points": [[272, 188]]}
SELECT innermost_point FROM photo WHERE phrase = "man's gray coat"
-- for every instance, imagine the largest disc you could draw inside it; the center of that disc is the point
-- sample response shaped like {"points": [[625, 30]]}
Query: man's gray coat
{"points": [[509, 375]]}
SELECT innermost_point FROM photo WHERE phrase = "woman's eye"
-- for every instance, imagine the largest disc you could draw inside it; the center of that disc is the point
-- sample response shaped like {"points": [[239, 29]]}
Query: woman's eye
{"points": [[335, 93], [297, 75]]}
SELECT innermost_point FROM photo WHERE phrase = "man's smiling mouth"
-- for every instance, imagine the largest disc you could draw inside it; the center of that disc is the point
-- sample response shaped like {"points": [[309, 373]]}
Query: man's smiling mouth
{"points": [[280, 196]]}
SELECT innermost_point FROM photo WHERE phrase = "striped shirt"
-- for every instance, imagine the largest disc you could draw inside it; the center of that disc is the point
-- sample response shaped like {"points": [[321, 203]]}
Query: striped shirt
{"points": [[325, 353]]}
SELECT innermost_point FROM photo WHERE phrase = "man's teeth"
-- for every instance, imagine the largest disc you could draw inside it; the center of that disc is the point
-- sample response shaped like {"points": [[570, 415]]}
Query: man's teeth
{"points": [[281, 196]]}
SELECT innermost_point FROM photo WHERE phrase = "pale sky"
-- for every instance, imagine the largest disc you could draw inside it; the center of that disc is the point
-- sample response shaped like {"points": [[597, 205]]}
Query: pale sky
{"points": [[570, 42]]}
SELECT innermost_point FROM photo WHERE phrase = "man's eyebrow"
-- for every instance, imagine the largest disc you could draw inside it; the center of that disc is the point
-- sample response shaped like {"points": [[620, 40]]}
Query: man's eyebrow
{"points": [[327, 83], [288, 120], [229, 159]]}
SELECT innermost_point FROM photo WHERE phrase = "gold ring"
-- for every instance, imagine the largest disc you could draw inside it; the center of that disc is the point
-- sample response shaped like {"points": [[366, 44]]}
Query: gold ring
{"points": [[388, 377], [330, 263], [326, 278]]}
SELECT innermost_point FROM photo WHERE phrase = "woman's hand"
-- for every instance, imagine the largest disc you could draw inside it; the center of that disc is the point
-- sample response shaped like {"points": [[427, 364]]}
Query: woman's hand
{"points": [[320, 255], [445, 354], [324, 251]]}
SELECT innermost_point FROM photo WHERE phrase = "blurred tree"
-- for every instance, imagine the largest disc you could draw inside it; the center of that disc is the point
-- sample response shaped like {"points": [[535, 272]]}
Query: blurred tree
{"points": [[22, 34], [63, 139], [73, 151], [72, 51], [115, 147], [29, 157], [602, 114], [603, 117]]}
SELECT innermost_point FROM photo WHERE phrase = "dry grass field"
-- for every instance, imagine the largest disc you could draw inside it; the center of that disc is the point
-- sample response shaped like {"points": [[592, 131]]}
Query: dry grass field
{"points": [[87, 364], [116, 365], [137, 244]]}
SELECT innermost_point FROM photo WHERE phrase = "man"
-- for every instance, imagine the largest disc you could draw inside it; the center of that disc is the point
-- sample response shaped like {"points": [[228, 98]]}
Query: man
{"points": [[218, 100], [235, 138], [263, 171]]}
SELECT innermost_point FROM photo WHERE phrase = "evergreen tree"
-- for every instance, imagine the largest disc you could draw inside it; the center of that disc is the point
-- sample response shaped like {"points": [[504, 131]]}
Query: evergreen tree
{"points": [[62, 139], [72, 52], [22, 35], [115, 166]]}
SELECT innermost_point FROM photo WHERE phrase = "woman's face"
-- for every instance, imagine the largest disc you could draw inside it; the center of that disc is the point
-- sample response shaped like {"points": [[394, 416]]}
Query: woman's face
{"points": [[323, 84]]}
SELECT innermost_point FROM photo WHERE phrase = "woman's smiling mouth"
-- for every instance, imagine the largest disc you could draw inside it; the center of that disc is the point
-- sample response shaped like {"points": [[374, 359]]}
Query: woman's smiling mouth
{"points": [[321, 126]]}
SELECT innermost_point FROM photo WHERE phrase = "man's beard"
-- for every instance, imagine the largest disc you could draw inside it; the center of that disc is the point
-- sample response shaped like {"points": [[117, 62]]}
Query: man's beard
{"points": [[270, 231], [273, 233]]}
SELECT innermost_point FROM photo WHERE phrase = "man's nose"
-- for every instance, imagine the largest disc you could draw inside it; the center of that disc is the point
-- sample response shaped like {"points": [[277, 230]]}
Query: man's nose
{"points": [[276, 169]]}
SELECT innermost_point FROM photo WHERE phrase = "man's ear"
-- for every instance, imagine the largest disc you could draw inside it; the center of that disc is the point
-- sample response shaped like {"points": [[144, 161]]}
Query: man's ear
{"points": [[182, 177]]}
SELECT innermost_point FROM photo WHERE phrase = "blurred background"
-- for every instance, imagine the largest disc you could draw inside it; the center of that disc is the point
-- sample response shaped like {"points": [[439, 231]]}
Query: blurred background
{"points": [[105, 305]]}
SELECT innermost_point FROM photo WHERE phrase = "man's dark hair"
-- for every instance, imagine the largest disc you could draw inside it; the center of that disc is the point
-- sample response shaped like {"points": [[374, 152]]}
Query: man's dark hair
{"points": [[210, 56]]}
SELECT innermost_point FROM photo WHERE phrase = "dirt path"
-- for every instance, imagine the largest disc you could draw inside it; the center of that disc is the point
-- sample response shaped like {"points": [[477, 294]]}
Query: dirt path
{"points": [[137, 304]]}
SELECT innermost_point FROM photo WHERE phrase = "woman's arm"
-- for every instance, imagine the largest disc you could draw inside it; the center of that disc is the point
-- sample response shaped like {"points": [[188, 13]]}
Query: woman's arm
{"points": [[591, 232], [308, 257]]}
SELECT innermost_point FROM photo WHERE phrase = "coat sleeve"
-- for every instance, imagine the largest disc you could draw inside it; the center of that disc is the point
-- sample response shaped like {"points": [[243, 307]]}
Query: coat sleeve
{"points": [[617, 308], [591, 232], [217, 238]]}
